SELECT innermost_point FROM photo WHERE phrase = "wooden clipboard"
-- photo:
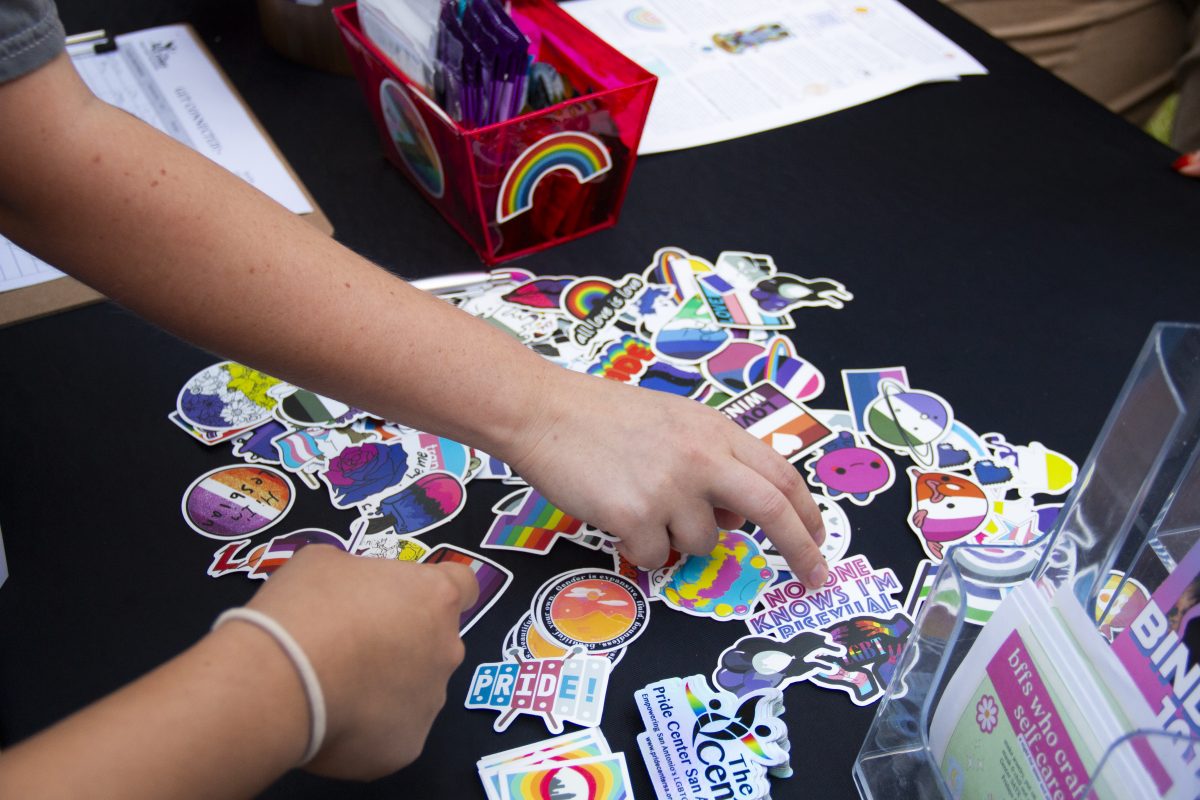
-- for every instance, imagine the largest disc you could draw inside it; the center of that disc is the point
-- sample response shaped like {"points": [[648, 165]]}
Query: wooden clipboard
{"points": [[62, 294]]}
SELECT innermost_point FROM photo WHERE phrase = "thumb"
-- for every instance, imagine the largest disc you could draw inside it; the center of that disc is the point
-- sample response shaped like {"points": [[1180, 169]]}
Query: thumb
{"points": [[464, 580]]}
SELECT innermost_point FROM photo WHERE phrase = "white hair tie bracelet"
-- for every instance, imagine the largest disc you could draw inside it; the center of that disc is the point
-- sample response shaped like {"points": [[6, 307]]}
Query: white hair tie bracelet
{"points": [[308, 676]]}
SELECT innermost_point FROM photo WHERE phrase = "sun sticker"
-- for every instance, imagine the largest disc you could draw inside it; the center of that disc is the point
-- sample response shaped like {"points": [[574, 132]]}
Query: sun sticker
{"points": [[598, 610]]}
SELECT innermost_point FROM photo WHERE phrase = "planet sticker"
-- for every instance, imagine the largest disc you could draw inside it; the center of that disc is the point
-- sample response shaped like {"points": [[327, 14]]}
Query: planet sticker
{"points": [[411, 137], [237, 501], [909, 421], [598, 610]]}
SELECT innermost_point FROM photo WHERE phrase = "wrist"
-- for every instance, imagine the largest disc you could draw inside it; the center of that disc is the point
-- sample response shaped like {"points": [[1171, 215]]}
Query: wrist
{"points": [[256, 681], [527, 420]]}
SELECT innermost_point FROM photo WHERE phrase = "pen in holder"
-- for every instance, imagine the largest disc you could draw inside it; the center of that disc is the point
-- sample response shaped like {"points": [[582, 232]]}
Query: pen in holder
{"points": [[1133, 516], [538, 179]]}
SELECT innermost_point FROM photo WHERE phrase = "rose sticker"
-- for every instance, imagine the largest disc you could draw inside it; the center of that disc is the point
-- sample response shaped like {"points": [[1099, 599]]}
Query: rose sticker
{"points": [[364, 471]]}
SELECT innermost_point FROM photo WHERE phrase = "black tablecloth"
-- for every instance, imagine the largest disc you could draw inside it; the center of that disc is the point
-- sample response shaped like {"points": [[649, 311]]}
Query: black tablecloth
{"points": [[1007, 239]]}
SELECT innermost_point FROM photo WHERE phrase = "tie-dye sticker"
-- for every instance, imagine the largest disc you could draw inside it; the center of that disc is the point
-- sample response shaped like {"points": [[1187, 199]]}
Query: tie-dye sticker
{"points": [[723, 585]]}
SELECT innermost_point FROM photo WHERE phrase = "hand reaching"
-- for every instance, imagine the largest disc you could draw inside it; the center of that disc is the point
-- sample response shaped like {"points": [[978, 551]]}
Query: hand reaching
{"points": [[383, 639], [659, 471]]}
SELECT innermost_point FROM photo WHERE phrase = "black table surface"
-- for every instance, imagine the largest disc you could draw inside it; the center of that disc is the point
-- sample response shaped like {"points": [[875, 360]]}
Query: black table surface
{"points": [[1007, 239]]}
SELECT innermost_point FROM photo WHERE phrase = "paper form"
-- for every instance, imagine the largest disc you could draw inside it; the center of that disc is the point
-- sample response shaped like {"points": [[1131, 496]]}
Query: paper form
{"points": [[163, 77], [731, 69]]}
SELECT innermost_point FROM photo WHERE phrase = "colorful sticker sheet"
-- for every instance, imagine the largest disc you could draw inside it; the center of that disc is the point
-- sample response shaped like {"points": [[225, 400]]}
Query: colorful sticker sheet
{"points": [[574, 765], [712, 331]]}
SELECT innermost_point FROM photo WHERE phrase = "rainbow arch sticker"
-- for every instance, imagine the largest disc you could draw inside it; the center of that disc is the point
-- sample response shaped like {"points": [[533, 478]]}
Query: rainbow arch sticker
{"points": [[581, 154]]}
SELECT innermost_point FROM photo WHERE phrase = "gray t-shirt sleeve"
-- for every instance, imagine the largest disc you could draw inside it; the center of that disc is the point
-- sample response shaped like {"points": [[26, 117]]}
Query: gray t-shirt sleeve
{"points": [[30, 35]]}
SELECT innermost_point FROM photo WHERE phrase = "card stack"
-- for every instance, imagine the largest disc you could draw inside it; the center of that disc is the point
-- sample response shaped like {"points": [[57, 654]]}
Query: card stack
{"points": [[701, 743], [552, 768]]}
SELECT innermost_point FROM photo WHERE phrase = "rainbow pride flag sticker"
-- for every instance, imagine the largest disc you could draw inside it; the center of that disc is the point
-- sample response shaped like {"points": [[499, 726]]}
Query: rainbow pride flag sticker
{"points": [[581, 154], [596, 778]]}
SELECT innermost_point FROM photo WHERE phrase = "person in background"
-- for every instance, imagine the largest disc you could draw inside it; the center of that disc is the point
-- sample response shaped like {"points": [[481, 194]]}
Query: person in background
{"points": [[178, 240], [1131, 55]]}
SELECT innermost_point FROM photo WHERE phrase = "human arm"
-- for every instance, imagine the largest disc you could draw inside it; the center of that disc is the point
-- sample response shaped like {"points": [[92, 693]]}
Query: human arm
{"points": [[185, 244], [228, 716]]}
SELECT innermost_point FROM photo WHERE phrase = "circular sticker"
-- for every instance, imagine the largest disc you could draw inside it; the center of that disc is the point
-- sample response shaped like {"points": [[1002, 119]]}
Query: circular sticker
{"points": [[226, 396], [238, 501], [530, 643], [411, 138], [598, 610]]}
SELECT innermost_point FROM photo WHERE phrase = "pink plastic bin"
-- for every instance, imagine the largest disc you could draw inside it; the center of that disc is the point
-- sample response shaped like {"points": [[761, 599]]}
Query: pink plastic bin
{"points": [[519, 186]]}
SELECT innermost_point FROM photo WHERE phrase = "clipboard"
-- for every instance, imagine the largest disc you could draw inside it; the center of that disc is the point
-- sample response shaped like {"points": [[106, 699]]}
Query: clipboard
{"points": [[62, 294]]}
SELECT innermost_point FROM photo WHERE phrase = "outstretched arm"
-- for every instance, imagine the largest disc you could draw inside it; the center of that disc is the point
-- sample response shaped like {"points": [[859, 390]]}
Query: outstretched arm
{"points": [[192, 248]]}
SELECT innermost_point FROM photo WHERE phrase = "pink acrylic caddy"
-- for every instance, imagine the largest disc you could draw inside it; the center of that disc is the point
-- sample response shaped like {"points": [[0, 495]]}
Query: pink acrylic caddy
{"points": [[541, 178]]}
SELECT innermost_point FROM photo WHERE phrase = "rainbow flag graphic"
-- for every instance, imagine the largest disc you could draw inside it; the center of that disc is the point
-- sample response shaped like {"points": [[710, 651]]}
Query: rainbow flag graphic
{"points": [[533, 527]]}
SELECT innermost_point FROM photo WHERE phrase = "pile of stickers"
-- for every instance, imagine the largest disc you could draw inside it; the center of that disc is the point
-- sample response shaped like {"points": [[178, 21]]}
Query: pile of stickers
{"points": [[573, 765], [710, 331]]}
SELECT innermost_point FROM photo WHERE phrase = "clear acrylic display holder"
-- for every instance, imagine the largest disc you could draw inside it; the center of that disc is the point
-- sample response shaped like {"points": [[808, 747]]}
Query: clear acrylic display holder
{"points": [[1135, 508]]}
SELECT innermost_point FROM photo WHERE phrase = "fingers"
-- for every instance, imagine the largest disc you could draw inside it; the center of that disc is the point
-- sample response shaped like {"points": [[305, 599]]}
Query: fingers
{"points": [[747, 492], [464, 583], [647, 547], [727, 519], [759, 456], [693, 530]]}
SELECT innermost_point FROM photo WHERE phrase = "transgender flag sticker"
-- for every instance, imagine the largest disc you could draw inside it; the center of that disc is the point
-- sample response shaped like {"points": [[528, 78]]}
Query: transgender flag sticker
{"points": [[238, 501]]}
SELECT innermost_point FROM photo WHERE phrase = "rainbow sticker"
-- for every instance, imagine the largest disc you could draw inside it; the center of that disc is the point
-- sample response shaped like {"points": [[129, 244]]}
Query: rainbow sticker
{"points": [[581, 154], [597, 778], [411, 138], [644, 19], [584, 296]]}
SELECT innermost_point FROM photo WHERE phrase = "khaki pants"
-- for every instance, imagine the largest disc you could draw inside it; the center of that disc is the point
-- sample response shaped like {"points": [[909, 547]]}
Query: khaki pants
{"points": [[1127, 54]]}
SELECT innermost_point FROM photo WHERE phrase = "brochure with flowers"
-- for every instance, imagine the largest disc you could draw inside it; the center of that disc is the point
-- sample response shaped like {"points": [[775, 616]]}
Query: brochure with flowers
{"points": [[1035, 706], [1160, 649]]}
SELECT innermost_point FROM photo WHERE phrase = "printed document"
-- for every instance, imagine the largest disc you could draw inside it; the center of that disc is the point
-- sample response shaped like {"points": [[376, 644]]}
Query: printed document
{"points": [[732, 69], [163, 76]]}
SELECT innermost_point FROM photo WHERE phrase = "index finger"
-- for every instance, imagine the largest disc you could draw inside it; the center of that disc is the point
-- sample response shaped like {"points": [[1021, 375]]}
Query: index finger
{"points": [[762, 458], [749, 494], [464, 580]]}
